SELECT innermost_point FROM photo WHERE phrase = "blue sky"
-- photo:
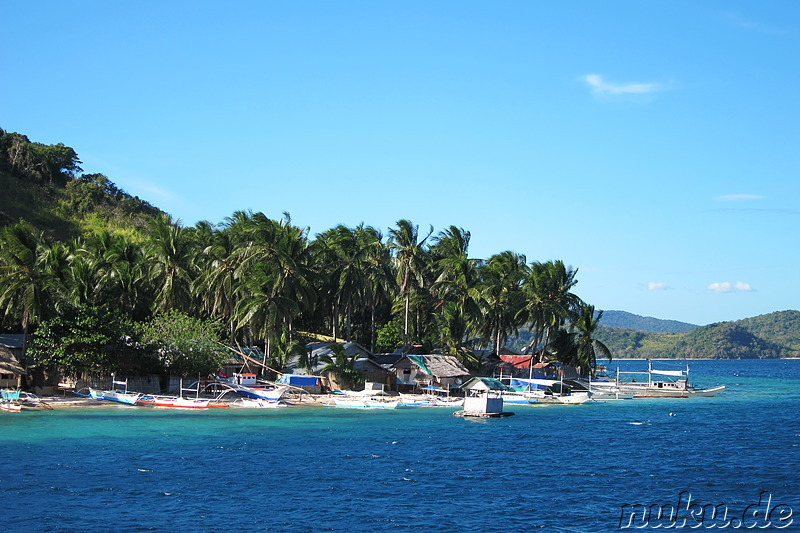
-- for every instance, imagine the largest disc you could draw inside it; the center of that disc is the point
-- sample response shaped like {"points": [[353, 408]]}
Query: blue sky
{"points": [[653, 145]]}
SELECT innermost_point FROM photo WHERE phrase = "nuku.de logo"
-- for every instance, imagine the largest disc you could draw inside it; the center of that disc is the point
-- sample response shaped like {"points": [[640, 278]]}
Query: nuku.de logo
{"points": [[688, 513]]}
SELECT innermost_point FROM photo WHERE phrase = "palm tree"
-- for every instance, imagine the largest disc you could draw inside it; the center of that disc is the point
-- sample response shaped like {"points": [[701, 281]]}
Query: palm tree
{"points": [[25, 283], [500, 296], [171, 252], [587, 346], [217, 283], [411, 258], [284, 350], [550, 300], [378, 273], [261, 306]]}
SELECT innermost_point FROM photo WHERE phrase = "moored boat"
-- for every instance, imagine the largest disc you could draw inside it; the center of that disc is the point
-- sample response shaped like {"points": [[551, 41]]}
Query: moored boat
{"points": [[115, 394], [663, 384], [364, 402]]}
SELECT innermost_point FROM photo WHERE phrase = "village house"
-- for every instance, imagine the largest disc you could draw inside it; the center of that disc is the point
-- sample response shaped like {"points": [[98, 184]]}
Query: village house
{"points": [[417, 371]]}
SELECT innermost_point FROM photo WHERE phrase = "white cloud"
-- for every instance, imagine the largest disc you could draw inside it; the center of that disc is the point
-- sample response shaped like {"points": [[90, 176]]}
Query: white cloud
{"points": [[657, 286], [726, 286], [735, 197], [742, 286], [601, 86]]}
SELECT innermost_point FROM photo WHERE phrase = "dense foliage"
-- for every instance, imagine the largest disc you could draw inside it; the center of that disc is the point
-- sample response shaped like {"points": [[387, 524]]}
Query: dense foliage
{"points": [[127, 288], [43, 185]]}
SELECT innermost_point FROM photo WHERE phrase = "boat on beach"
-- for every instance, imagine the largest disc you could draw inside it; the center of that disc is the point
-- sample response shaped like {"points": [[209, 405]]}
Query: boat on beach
{"points": [[119, 395], [14, 400], [10, 401], [250, 403], [180, 401]]}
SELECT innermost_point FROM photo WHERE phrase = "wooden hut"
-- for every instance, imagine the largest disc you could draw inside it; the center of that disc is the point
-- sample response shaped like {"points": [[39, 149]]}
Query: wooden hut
{"points": [[11, 371], [417, 371]]}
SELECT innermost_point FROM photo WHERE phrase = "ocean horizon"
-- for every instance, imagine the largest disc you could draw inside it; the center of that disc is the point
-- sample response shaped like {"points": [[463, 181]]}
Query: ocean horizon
{"points": [[564, 468]]}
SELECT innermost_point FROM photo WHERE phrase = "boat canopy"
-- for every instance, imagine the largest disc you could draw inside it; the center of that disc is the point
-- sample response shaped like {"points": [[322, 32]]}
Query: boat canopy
{"points": [[299, 380], [675, 373]]}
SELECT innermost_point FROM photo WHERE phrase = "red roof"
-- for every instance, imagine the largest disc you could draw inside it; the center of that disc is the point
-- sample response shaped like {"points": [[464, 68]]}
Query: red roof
{"points": [[519, 361]]}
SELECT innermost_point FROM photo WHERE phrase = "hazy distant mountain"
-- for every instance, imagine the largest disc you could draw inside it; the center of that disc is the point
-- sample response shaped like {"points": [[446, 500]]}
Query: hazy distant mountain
{"points": [[625, 320]]}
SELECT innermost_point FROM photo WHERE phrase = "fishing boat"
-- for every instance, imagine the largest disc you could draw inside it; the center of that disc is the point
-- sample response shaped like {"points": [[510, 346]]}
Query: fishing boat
{"points": [[119, 395], [250, 403], [10, 400], [179, 402], [659, 383], [10, 406], [526, 390], [431, 397], [364, 402]]}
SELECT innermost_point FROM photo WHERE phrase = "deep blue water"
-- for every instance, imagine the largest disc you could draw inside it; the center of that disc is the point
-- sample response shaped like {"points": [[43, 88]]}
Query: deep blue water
{"points": [[550, 468]]}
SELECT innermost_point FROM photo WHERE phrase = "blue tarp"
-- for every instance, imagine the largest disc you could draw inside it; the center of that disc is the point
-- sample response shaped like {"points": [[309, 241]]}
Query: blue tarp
{"points": [[299, 380]]}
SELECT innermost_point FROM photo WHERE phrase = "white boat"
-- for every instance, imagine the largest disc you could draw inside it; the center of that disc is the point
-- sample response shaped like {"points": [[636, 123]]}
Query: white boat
{"points": [[370, 402], [431, 397], [521, 398], [247, 386], [119, 395], [249, 403], [176, 402], [13, 400], [547, 391], [572, 398], [10, 406], [10, 400], [180, 402], [663, 384]]}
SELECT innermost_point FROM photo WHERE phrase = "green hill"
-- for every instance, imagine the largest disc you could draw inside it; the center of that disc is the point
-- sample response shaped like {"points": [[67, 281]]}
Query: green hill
{"points": [[43, 184], [766, 336], [781, 328]]}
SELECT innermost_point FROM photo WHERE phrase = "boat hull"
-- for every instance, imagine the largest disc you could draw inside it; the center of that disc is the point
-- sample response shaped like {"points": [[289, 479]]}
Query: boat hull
{"points": [[128, 398], [365, 403]]}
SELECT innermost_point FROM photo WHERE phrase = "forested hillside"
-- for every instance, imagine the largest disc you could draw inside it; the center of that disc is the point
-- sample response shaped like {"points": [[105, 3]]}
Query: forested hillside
{"points": [[43, 185], [772, 335], [105, 282], [625, 320]]}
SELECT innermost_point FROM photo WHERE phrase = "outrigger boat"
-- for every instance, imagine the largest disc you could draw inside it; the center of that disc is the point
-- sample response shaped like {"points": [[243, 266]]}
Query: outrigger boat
{"points": [[261, 391], [9, 401], [180, 402], [13, 400], [539, 390], [249, 403], [365, 403], [115, 395], [663, 384], [431, 397]]}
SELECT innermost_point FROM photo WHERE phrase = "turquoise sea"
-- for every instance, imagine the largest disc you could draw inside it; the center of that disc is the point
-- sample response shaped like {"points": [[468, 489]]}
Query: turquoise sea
{"points": [[551, 468]]}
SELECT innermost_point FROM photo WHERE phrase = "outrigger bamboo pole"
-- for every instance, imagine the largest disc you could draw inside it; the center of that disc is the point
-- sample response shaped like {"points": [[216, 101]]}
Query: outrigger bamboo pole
{"points": [[249, 359]]}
